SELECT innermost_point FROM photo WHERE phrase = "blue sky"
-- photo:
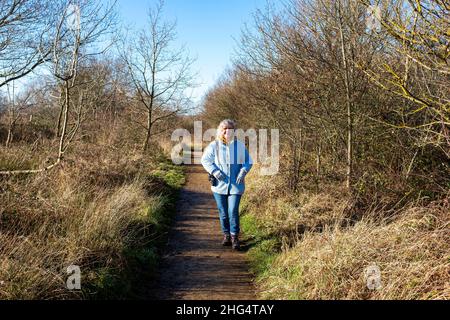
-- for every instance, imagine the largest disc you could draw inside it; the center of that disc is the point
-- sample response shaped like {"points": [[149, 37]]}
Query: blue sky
{"points": [[208, 29], [205, 27]]}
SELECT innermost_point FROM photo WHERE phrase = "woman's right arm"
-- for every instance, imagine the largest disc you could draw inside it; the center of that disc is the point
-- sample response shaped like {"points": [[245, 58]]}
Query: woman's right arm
{"points": [[208, 159]]}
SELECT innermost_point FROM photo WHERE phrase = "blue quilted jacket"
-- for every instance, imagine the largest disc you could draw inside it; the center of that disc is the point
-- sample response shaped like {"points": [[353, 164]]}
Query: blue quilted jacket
{"points": [[230, 160]]}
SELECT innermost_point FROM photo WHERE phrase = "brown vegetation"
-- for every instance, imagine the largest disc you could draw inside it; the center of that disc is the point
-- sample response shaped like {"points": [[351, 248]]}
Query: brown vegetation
{"points": [[364, 167], [75, 186]]}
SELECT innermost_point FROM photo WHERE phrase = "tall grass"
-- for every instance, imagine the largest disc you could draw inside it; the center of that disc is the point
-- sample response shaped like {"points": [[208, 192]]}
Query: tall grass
{"points": [[101, 211], [312, 245]]}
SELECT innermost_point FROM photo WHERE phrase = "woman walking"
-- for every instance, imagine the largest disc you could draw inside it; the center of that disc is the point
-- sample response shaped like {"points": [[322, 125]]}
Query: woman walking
{"points": [[227, 161]]}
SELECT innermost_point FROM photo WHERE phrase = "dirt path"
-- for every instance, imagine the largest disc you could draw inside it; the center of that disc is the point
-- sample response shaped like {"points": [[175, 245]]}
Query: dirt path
{"points": [[196, 266]]}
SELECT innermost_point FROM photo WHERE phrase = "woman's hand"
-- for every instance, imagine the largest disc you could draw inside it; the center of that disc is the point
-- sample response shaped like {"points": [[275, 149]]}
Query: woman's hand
{"points": [[218, 175], [241, 176]]}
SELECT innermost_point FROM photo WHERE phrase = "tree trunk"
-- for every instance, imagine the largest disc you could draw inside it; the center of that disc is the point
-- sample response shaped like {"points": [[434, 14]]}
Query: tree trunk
{"points": [[11, 124], [319, 160], [349, 105], [9, 137], [58, 125], [149, 130], [64, 126]]}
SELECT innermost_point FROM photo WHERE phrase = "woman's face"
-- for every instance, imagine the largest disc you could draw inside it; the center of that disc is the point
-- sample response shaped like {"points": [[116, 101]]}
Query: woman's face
{"points": [[227, 132]]}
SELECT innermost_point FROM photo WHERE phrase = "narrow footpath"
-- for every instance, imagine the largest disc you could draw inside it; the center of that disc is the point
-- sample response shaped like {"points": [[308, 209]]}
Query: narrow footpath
{"points": [[195, 266]]}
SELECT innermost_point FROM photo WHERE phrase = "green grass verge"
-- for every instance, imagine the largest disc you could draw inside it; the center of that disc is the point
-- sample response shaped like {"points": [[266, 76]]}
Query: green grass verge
{"points": [[264, 248]]}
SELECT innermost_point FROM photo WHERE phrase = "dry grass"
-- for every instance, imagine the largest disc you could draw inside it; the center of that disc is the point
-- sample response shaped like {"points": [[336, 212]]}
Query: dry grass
{"points": [[91, 212], [327, 256], [286, 214], [412, 254]]}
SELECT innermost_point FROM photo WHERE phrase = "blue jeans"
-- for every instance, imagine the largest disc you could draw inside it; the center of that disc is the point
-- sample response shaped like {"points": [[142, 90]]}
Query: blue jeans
{"points": [[228, 206]]}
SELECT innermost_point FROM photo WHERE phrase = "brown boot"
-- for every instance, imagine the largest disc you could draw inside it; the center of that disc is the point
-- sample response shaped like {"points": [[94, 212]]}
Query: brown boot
{"points": [[226, 240], [235, 242]]}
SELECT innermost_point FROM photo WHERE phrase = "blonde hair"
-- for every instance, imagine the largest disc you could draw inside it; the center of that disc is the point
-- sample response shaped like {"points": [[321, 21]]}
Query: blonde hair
{"points": [[224, 123]]}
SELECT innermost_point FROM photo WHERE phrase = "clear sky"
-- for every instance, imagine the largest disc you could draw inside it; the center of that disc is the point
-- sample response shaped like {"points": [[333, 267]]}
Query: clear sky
{"points": [[206, 27]]}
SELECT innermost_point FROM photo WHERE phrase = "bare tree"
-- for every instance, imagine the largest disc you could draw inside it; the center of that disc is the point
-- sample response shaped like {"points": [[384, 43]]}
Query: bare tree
{"points": [[25, 40], [159, 74], [79, 27], [416, 67]]}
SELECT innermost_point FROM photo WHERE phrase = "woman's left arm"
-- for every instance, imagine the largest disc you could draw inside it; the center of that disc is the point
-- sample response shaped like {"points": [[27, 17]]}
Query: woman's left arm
{"points": [[248, 161], [248, 164], [245, 167]]}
